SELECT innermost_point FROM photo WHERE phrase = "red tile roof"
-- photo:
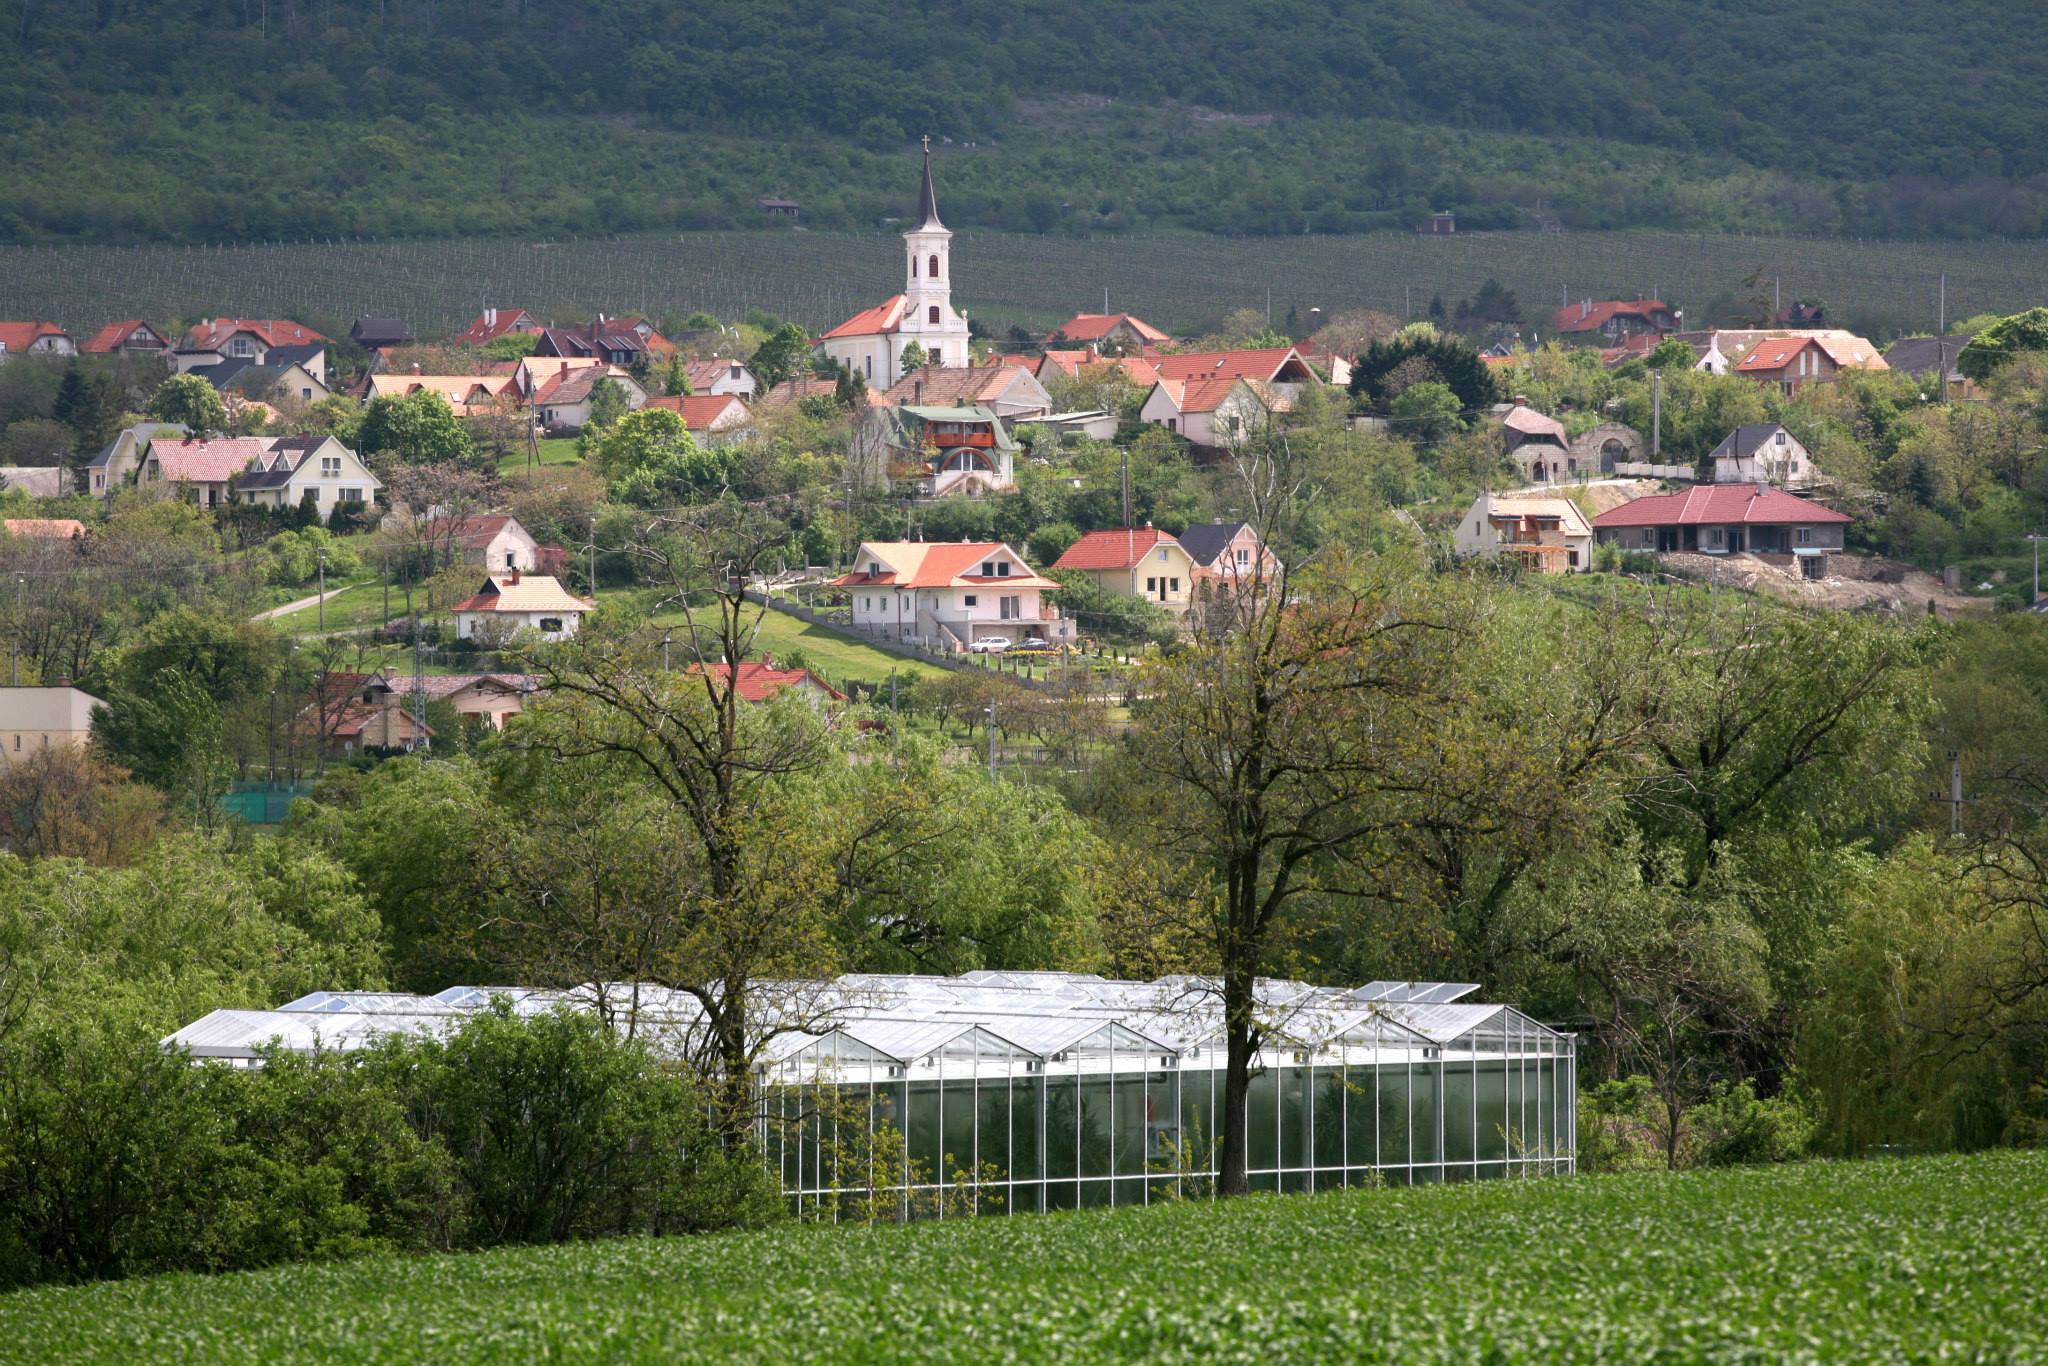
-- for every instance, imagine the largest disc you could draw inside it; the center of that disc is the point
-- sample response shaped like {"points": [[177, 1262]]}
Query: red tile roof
{"points": [[1269, 363], [46, 528], [882, 319], [1718, 505], [208, 462], [494, 323], [1579, 318], [1119, 548], [1775, 353], [701, 412], [937, 564], [1088, 327], [207, 335], [759, 680], [1197, 395], [112, 335], [18, 337]]}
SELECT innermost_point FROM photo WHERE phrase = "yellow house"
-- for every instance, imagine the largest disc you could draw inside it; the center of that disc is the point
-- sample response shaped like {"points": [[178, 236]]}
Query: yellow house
{"points": [[1136, 562]]}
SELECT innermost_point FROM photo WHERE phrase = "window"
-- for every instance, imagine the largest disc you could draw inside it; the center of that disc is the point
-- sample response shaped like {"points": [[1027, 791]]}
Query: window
{"points": [[1173, 585], [1803, 536], [1008, 608], [1170, 425], [330, 467], [932, 315], [305, 393], [1244, 556], [240, 347], [351, 496], [1571, 558], [1162, 554], [913, 266], [869, 362], [1151, 585], [17, 740], [511, 556], [969, 599], [550, 623], [934, 271], [1717, 537]]}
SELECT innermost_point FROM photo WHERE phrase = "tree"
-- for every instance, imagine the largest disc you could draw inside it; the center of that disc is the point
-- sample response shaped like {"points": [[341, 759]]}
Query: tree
{"points": [[1426, 412], [648, 457], [171, 737], [511, 345], [678, 376], [67, 803], [1419, 355], [913, 358], [414, 429], [1997, 344], [607, 404], [89, 404], [1671, 354], [191, 400], [781, 356]]}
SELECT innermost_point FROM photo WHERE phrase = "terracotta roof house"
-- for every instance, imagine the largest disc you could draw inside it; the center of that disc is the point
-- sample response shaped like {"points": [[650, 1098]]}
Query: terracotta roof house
{"points": [[1272, 364], [1546, 535], [944, 450], [1108, 331], [720, 376], [1135, 562], [128, 337], [1615, 318], [759, 680], [563, 401], [468, 395], [486, 698], [494, 323], [115, 465], [947, 594], [1214, 413], [252, 339], [712, 419], [1006, 390], [35, 338], [46, 528], [269, 471], [871, 343], [380, 334], [1792, 363], [514, 601], [1726, 519], [615, 341], [357, 711], [800, 387]]}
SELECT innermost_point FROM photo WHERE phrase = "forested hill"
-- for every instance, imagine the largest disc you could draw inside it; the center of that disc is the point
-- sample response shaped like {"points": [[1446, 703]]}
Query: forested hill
{"points": [[134, 119]]}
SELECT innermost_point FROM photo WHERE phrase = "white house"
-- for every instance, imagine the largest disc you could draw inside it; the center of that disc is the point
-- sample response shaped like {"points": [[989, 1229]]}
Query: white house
{"points": [[511, 601], [720, 376], [496, 542], [871, 342], [1212, 412], [564, 402], [1764, 453], [946, 594], [1548, 535]]}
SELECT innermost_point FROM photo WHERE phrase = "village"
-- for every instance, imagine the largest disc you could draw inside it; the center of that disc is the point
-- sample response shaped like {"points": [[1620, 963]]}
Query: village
{"points": [[951, 499]]}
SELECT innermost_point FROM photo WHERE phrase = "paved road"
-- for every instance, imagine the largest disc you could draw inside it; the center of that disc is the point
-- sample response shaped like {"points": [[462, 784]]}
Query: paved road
{"points": [[292, 607]]}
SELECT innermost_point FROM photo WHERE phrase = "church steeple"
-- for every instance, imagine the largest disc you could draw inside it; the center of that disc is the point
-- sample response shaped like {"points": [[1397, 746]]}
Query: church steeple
{"points": [[927, 202]]}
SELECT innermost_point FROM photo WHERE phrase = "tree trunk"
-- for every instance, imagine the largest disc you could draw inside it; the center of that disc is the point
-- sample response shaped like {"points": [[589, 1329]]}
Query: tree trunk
{"points": [[1231, 1176]]}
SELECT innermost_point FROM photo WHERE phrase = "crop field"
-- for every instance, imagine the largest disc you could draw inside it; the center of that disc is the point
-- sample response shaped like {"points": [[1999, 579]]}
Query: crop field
{"points": [[1882, 1261], [1179, 282]]}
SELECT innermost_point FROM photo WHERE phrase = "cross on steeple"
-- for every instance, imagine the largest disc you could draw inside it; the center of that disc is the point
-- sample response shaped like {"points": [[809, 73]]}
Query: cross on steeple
{"points": [[927, 143]]}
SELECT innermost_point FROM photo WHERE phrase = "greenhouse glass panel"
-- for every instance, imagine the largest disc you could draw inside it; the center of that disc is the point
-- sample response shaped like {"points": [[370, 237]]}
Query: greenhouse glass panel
{"points": [[922, 1128], [1425, 1117], [1294, 1117], [1493, 1109], [1262, 1120], [992, 1128], [1095, 1121], [1027, 1127], [1132, 1117], [1332, 1103], [1394, 1116], [1458, 1117], [959, 1131], [1062, 1130]]}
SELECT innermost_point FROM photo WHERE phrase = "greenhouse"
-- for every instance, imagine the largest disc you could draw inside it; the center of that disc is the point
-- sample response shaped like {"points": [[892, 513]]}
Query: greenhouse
{"points": [[1016, 1091]]}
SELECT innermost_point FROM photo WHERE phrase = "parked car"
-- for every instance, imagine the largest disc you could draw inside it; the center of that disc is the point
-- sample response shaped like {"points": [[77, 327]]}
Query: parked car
{"points": [[987, 645], [1033, 645]]}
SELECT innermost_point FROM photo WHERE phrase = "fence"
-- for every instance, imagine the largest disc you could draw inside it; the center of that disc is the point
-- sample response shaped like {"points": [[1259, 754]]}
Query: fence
{"points": [[263, 803]]}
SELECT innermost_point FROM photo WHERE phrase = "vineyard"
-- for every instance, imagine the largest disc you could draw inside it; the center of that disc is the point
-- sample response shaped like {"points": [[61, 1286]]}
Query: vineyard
{"points": [[1183, 283], [1934, 1259]]}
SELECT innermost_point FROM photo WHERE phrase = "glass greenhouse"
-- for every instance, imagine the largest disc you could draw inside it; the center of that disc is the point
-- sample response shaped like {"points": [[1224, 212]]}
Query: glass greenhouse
{"points": [[1016, 1091]]}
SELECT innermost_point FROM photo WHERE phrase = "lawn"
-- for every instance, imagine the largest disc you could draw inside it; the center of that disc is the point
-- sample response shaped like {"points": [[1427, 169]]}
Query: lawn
{"points": [[554, 450], [360, 604], [1917, 1259], [835, 654]]}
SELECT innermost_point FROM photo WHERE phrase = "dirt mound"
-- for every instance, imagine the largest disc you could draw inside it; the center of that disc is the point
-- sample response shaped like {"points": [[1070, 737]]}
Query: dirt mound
{"points": [[1854, 583]]}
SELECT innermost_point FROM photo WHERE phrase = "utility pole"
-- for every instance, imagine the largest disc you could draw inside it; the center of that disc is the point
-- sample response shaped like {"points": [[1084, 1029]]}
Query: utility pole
{"points": [[1941, 312], [419, 689], [387, 594], [2036, 537], [593, 557], [20, 620], [666, 636], [1777, 298], [991, 737], [1656, 414], [1955, 794], [320, 605]]}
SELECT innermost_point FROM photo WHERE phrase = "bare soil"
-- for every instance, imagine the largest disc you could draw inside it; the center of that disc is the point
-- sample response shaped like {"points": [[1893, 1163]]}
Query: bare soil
{"points": [[1854, 583]]}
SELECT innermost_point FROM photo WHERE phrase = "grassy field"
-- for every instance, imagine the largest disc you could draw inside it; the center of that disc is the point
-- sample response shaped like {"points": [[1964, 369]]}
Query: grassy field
{"points": [[818, 278], [1892, 1260], [838, 656], [554, 450]]}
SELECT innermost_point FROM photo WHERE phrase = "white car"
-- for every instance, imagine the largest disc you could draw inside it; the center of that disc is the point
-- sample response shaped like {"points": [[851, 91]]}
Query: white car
{"points": [[987, 645]]}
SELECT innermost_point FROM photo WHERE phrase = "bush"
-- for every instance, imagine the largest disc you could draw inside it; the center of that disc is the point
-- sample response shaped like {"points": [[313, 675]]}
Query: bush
{"points": [[1733, 1128]]}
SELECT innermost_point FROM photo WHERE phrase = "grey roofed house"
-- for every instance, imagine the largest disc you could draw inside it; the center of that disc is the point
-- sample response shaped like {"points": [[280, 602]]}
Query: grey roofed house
{"points": [[376, 333], [1204, 541], [41, 481], [1927, 355], [121, 457], [1744, 442], [288, 454], [281, 356]]}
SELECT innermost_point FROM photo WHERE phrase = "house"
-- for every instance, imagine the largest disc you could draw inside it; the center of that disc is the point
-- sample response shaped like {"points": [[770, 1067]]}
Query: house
{"points": [[1439, 224], [467, 395], [1006, 390], [1226, 554], [283, 378], [250, 339], [492, 541], [46, 528], [1095, 424], [1283, 366], [1793, 362], [380, 334], [129, 337], [797, 388], [1109, 332], [720, 376], [268, 471], [563, 401], [780, 208], [35, 338], [1763, 453], [1537, 444], [1603, 447], [487, 699], [1934, 358], [712, 419], [1546, 535], [947, 450], [511, 601], [311, 463], [615, 341], [1135, 562], [871, 343], [36, 719], [1087, 366], [1726, 519], [948, 594], [494, 323], [1716, 351], [1634, 346], [115, 465], [759, 680], [1212, 413], [1615, 318], [38, 481], [354, 712]]}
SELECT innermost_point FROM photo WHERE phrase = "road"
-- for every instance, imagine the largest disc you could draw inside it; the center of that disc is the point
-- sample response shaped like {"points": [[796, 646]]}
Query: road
{"points": [[292, 607]]}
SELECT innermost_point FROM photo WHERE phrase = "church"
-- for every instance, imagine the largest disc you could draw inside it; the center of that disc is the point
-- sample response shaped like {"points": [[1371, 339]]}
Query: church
{"points": [[871, 342]]}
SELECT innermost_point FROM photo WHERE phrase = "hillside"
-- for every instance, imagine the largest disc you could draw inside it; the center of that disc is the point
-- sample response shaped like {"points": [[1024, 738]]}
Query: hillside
{"points": [[451, 117], [1888, 1260]]}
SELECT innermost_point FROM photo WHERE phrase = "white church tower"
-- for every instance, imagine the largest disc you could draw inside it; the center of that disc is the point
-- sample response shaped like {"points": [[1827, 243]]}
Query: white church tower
{"points": [[871, 343]]}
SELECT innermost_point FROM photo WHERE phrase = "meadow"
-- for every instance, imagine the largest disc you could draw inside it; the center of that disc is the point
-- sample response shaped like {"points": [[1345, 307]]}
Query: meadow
{"points": [[1919, 1259], [1179, 282]]}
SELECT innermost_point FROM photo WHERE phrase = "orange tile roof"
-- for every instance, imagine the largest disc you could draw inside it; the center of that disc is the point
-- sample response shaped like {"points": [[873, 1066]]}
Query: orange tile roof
{"points": [[523, 593], [1096, 326], [271, 331], [1718, 504], [1265, 363], [759, 680], [1579, 318], [881, 320], [46, 528], [112, 335], [938, 564], [1119, 548], [19, 337]]}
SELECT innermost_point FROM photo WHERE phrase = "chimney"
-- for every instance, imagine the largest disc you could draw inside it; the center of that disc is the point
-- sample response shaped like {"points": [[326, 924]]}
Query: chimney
{"points": [[1585, 307], [63, 680], [1762, 488], [767, 660], [490, 317], [515, 575], [415, 367], [1521, 400]]}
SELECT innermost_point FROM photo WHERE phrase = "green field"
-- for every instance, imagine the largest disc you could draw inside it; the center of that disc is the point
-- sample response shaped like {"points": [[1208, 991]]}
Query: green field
{"points": [[1888, 1260], [554, 450], [818, 278]]}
